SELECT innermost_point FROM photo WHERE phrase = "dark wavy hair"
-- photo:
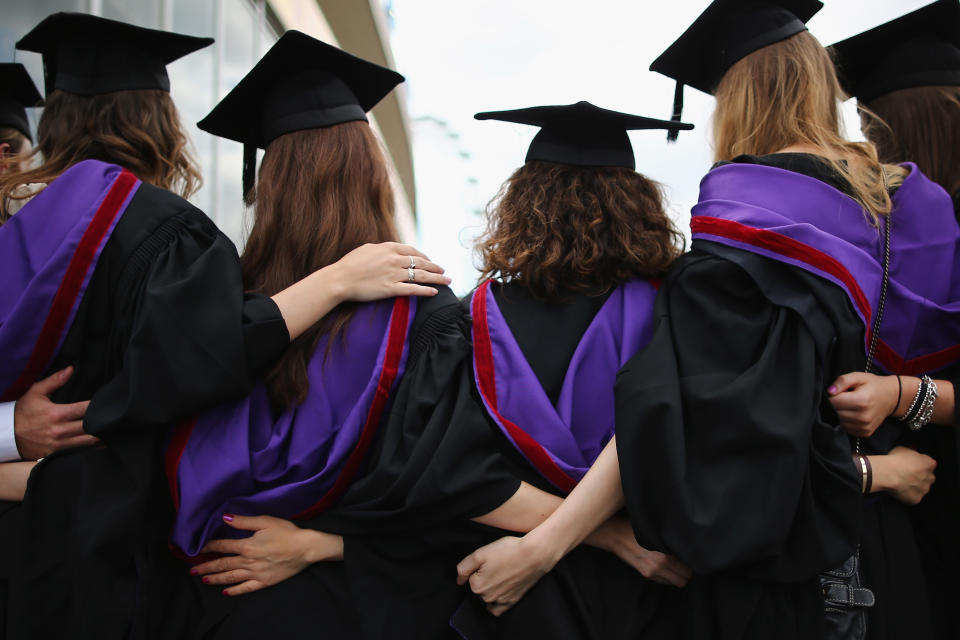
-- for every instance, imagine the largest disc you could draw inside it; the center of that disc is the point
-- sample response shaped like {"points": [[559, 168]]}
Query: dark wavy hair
{"points": [[320, 194], [558, 228], [139, 130]]}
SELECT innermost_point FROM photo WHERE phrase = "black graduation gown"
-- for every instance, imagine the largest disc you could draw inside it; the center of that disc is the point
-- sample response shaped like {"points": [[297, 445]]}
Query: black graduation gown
{"points": [[731, 456], [164, 329], [937, 518], [405, 583], [419, 473]]}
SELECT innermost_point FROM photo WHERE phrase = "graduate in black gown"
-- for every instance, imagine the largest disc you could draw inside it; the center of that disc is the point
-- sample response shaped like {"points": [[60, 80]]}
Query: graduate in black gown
{"points": [[728, 452], [292, 454], [575, 245], [905, 75], [106, 269]]}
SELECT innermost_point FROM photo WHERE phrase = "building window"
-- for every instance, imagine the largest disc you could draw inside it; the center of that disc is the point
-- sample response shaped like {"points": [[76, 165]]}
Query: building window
{"points": [[244, 30]]}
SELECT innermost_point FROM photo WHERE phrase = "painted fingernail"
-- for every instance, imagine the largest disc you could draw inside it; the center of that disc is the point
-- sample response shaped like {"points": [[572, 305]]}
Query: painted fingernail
{"points": [[224, 592], [205, 580], [228, 517], [193, 571], [832, 388]]}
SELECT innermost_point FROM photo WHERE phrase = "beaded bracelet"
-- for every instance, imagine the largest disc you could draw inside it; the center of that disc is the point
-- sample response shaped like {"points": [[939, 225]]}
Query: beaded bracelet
{"points": [[925, 411], [914, 408]]}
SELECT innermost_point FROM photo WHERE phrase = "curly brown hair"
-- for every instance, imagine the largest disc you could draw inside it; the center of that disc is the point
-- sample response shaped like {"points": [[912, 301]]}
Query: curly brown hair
{"points": [[559, 228], [139, 130]]}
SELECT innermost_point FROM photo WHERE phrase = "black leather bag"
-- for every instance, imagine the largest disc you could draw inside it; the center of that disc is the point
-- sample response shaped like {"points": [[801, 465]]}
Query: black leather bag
{"points": [[846, 601]]}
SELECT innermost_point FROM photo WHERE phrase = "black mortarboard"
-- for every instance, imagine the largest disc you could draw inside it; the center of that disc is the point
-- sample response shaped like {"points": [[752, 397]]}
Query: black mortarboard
{"points": [[87, 55], [301, 83], [726, 32], [919, 49], [17, 92], [581, 134]]}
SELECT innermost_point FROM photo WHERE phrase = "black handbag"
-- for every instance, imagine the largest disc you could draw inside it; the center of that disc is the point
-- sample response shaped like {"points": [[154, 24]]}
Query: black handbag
{"points": [[845, 597], [846, 601]]}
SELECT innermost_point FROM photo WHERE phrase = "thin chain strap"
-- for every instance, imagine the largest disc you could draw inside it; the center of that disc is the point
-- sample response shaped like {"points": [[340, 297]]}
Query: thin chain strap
{"points": [[875, 333]]}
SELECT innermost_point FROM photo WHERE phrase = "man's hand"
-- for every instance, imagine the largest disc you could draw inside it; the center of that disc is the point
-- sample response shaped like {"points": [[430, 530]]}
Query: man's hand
{"points": [[41, 426]]}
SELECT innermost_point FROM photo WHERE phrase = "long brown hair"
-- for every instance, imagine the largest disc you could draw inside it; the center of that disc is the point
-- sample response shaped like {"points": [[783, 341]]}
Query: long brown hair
{"points": [[136, 129], [921, 125], [320, 194], [788, 94], [559, 228]]}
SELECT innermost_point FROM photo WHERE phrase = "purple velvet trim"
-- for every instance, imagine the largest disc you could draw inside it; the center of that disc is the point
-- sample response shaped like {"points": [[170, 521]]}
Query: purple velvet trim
{"points": [[240, 459], [575, 430], [923, 303], [36, 247]]}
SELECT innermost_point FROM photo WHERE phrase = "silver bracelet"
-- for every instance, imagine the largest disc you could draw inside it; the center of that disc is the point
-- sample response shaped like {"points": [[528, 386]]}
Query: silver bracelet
{"points": [[912, 410], [926, 406]]}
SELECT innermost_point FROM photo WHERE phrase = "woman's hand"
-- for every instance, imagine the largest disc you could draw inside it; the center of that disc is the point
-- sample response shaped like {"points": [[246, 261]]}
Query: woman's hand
{"points": [[616, 536], [377, 271], [504, 570], [904, 473], [276, 551], [370, 272], [863, 400]]}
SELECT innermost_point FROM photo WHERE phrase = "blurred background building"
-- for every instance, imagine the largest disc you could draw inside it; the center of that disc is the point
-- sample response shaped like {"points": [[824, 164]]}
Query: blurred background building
{"points": [[244, 30]]}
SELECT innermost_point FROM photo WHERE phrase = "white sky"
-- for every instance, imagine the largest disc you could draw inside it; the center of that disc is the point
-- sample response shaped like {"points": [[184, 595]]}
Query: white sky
{"points": [[462, 56]]}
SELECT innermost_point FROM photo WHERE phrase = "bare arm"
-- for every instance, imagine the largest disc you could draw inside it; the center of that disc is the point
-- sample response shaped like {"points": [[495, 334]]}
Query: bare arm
{"points": [[13, 479], [502, 571], [529, 507], [370, 272]]}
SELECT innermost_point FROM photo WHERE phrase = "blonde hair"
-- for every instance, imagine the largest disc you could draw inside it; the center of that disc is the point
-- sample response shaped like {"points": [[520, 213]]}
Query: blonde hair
{"points": [[788, 94]]}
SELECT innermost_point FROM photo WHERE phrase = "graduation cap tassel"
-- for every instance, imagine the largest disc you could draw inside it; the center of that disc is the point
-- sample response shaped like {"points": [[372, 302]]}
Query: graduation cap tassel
{"points": [[677, 110], [249, 168]]}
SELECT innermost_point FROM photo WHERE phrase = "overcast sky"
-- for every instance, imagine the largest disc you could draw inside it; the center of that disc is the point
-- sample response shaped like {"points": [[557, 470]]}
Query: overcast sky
{"points": [[461, 57]]}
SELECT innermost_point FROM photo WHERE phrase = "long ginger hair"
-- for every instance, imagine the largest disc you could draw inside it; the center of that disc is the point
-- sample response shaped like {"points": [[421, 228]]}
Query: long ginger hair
{"points": [[139, 130], [921, 125], [786, 94], [558, 228], [320, 194]]}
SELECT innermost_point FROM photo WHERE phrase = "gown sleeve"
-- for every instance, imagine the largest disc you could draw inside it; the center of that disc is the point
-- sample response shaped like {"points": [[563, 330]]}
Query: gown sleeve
{"points": [[189, 335], [437, 457], [730, 456]]}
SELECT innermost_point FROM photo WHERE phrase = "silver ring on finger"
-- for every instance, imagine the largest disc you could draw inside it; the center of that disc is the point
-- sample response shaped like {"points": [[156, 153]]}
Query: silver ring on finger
{"points": [[411, 274], [412, 264]]}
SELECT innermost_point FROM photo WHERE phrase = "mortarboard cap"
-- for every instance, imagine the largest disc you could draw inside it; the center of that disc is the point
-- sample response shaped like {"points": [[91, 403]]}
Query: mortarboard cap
{"points": [[301, 83], [17, 92], [87, 55], [726, 32], [919, 49], [581, 134]]}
